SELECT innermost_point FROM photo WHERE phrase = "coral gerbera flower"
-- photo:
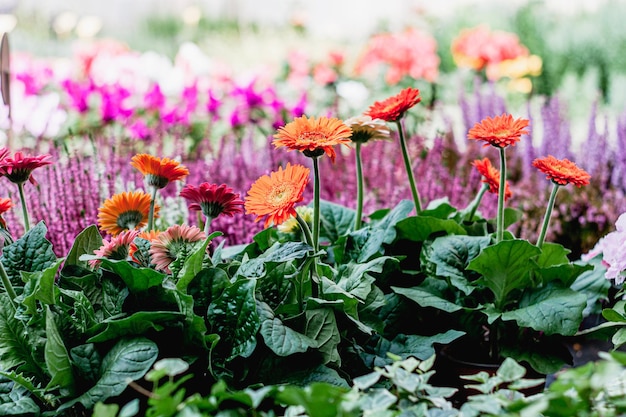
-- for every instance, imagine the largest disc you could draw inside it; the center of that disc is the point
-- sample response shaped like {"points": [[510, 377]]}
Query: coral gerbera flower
{"points": [[491, 177], [500, 131], [159, 171], [177, 240], [5, 205], [19, 168], [562, 171], [364, 128], [276, 194], [133, 250], [213, 199], [125, 211], [313, 137], [116, 248], [393, 108]]}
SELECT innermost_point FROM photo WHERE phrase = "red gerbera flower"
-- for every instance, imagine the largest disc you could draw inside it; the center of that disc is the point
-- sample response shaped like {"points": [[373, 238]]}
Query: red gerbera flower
{"points": [[159, 171], [491, 177], [562, 171], [19, 168], [393, 108], [5, 205], [501, 131], [313, 137], [213, 199]]}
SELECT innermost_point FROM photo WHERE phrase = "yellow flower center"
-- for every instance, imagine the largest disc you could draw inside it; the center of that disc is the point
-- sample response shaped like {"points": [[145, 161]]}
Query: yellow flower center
{"points": [[312, 137], [279, 194]]}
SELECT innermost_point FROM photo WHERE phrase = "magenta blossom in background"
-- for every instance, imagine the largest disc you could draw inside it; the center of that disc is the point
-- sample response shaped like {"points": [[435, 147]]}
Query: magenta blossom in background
{"points": [[154, 99]]}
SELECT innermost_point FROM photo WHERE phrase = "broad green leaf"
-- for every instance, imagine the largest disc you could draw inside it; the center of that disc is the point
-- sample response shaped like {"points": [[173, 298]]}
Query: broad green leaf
{"points": [[506, 266], [552, 311], [321, 325], [57, 359], [31, 253], [425, 298], [87, 359], [274, 288], [552, 254], [420, 228], [336, 220], [207, 286], [355, 278], [85, 243], [378, 402], [285, 252], [41, 287], [594, 285], [134, 325], [193, 263], [439, 208], [136, 279], [510, 370], [127, 361], [282, 340], [512, 216], [565, 273], [235, 318]]}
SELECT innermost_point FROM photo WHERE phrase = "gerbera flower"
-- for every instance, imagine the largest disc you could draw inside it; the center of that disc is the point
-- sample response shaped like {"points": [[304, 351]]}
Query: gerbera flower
{"points": [[3, 153], [562, 171], [212, 199], [291, 225], [276, 194], [177, 240], [19, 168], [491, 177], [393, 108], [116, 248], [5, 205], [364, 128], [125, 211], [159, 171], [313, 137], [500, 131], [133, 250]]}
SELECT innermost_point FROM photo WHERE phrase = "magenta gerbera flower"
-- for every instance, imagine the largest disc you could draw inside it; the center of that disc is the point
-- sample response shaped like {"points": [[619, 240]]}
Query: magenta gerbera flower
{"points": [[19, 168], [213, 199]]}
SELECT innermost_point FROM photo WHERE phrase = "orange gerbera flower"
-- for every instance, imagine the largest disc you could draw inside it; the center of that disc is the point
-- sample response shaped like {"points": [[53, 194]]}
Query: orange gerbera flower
{"points": [[393, 108], [276, 194], [501, 131], [313, 137], [562, 171], [125, 211], [491, 177], [159, 171]]}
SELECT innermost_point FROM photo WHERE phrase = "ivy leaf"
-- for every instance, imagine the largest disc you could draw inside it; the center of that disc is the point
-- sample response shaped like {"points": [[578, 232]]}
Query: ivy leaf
{"points": [[127, 361], [506, 266], [31, 253], [235, 318]]}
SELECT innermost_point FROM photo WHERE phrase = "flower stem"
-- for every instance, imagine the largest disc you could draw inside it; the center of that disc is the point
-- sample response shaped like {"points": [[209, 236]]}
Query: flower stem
{"points": [[20, 187], [407, 165], [316, 204], [151, 212], [473, 206], [359, 185], [306, 232], [8, 286], [207, 224], [501, 191], [546, 218]]}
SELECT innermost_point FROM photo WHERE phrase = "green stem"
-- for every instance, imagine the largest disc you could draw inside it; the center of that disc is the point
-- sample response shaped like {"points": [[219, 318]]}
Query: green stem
{"points": [[407, 165], [151, 213], [359, 185], [473, 206], [600, 326], [501, 191], [308, 239], [207, 225], [20, 187], [316, 204], [8, 286], [546, 218], [306, 232]]}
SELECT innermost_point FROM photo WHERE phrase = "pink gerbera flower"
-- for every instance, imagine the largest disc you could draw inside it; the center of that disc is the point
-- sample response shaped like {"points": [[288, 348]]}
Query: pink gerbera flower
{"points": [[172, 243], [117, 248], [213, 199], [19, 168]]}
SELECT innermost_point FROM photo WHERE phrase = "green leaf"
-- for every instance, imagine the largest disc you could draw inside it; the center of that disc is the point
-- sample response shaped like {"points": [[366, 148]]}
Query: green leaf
{"points": [[281, 339], [41, 287], [426, 298], [57, 359], [85, 243], [336, 220], [235, 318], [128, 360], [619, 338], [31, 253], [134, 325], [552, 254], [552, 311], [510, 370], [321, 325], [512, 216], [506, 266], [87, 359], [419, 228], [193, 263], [439, 208], [319, 400], [355, 278], [136, 279], [594, 285]]}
